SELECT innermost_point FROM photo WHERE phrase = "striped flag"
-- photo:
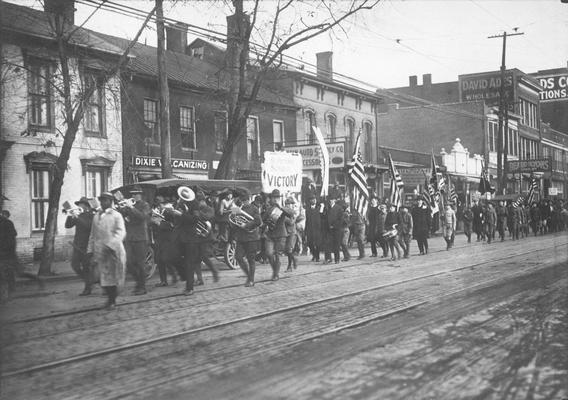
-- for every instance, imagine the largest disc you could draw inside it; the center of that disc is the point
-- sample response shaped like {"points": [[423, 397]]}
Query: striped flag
{"points": [[532, 190], [397, 185], [484, 184], [452, 195], [518, 202], [357, 173]]}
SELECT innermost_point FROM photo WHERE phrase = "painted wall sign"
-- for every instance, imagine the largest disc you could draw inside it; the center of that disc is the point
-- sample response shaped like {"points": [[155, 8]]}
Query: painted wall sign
{"points": [[312, 158], [282, 171], [485, 87], [156, 162], [522, 166], [554, 88]]}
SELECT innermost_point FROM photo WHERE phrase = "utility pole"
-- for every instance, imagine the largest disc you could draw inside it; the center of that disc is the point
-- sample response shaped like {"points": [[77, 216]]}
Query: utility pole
{"points": [[165, 146], [503, 137]]}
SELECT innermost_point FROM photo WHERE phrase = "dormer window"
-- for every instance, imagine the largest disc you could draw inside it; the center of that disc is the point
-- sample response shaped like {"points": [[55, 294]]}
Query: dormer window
{"points": [[198, 52]]}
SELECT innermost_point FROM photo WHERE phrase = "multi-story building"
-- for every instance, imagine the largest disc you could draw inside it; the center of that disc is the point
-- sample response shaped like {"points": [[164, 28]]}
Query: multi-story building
{"points": [[32, 124]]}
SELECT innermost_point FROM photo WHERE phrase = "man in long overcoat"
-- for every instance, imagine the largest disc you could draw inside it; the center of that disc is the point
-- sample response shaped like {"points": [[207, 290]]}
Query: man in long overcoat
{"points": [[422, 219], [373, 218], [478, 221], [490, 222], [313, 228], [80, 263], [105, 245]]}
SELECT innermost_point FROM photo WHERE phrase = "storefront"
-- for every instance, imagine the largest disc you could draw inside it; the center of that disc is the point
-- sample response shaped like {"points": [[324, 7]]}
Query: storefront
{"points": [[143, 168]]}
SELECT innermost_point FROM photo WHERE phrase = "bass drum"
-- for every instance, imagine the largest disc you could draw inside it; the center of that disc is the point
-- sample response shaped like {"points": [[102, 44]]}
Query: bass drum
{"points": [[229, 255]]}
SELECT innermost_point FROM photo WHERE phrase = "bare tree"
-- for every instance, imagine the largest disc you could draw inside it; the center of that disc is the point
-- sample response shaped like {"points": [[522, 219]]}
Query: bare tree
{"points": [[73, 113], [280, 34]]}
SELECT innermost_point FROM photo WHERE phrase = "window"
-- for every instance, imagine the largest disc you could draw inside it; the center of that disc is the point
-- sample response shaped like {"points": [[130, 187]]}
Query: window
{"points": [[278, 134], [40, 197], [310, 121], [187, 127], [96, 182], [198, 52], [220, 120], [529, 149], [528, 111], [331, 126], [351, 130], [151, 120], [39, 95], [493, 136], [93, 119], [253, 142], [368, 132], [512, 148]]}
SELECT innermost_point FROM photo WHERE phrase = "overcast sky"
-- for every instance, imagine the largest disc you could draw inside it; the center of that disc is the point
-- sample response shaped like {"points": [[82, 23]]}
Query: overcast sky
{"points": [[398, 38]]}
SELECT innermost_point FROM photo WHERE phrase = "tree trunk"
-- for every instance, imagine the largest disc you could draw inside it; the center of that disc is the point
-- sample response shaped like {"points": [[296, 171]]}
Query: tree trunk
{"points": [[226, 168]]}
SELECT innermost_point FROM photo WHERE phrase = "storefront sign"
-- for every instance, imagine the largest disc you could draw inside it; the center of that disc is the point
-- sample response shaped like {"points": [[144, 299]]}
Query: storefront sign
{"points": [[485, 87], [411, 176], [156, 162], [553, 191], [282, 171], [554, 88], [312, 158], [522, 166]]}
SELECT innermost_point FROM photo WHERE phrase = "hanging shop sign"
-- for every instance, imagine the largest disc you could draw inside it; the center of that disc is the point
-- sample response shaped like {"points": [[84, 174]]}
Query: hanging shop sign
{"points": [[282, 171], [156, 162], [311, 155], [528, 166], [554, 88]]}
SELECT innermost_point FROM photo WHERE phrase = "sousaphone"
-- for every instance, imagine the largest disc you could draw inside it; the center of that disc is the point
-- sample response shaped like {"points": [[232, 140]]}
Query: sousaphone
{"points": [[185, 193]]}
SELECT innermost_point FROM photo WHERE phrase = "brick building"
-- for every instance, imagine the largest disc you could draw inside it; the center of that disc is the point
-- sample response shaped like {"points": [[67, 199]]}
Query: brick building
{"points": [[31, 122]]}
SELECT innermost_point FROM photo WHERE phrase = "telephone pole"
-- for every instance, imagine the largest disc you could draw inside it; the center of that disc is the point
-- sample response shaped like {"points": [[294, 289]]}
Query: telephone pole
{"points": [[165, 146], [503, 137]]}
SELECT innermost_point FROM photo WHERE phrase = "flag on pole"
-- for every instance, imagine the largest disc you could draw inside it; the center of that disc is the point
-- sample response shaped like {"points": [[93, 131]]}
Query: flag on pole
{"points": [[434, 187], [484, 184], [518, 202], [452, 195], [324, 158], [357, 173], [397, 185], [533, 188]]}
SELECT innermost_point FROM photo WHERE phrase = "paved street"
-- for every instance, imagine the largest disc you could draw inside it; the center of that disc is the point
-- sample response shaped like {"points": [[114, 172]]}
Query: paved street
{"points": [[479, 321]]}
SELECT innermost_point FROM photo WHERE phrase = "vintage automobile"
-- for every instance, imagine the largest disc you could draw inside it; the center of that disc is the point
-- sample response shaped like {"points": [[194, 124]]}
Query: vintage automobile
{"points": [[223, 251]]}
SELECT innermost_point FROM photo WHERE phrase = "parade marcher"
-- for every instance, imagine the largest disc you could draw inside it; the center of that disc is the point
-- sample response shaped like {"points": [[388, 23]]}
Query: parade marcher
{"points": [[326, 231], [335, 227], [273, 217], [166, 252], [206, 245], [535, 218], [422, 224], [477, 211], [291, 234], [194, 233], [80, 263], [373, 218], [313, 228], [517, 221], [247, 237], [501, 212], [467, 223], [449, 225], [345, 221], [357, 225], [490, 222], [545, 214], [136, 219], [392, 221], [381, 229], [105, 245], [225, 206], [405, 230]]}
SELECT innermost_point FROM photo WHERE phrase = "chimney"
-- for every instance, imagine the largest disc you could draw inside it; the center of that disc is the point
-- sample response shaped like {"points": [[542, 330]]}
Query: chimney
{"points": [[176, 37], [61, 7], [427, 80], [325, 64], [413, 81]]}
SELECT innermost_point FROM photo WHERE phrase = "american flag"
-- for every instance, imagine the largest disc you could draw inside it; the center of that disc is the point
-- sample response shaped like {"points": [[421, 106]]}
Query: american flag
{"points": [[397, 185], [532, 190], [484, 184], [357, 174], [452, 195], [518, 202]]}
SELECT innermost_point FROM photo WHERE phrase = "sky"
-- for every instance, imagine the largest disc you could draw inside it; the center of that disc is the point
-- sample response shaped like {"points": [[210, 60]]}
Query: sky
{"points": [[395, 40]]}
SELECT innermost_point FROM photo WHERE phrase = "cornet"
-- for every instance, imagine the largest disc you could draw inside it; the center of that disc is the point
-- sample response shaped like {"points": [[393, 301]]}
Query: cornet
{"points": [[74, 211]]}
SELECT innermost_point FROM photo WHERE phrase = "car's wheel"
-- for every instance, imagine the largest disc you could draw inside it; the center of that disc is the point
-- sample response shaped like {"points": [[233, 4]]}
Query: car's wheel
{"points": [[149, 264], [229, 255]]}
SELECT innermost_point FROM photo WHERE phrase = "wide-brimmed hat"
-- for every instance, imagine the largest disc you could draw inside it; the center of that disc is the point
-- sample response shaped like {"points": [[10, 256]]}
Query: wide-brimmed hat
{"points": [[106, 195], [290, 200], [275, 193], [83, 200], [243, 194], [136, 190]]}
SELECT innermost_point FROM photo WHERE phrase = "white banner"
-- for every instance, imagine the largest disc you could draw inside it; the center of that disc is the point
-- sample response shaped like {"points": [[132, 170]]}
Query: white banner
{"points": [[282, 171], [324, 162]]}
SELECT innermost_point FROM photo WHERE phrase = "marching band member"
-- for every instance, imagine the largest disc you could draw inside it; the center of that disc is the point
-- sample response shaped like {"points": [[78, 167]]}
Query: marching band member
{"points": [[291, 233], [80, 263], [247, 236], [105, 245], [313, 228], [136, 219], [193, 217], [274, 216], [206, 244], [164, 235]]}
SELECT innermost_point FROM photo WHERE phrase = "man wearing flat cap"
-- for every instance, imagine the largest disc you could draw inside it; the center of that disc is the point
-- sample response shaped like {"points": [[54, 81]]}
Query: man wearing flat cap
{"points": [[80, 263], [105, 245], [136, 219]]}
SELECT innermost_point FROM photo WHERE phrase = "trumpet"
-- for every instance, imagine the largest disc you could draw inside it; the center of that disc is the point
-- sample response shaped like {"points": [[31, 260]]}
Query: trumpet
{"points": [[74, 211]]}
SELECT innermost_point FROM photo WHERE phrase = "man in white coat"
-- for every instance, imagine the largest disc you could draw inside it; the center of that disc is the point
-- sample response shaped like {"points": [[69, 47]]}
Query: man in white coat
{"points": [[105, 243]]}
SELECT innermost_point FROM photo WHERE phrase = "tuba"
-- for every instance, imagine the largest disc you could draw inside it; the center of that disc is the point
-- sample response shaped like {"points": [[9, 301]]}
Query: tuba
{"points": [[185, 194], [391, 233], [240, 218], [203, 228]]}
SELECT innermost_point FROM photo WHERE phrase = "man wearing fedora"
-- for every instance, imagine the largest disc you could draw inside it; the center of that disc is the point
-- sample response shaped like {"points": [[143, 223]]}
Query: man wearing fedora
{"points": [[136, 219], [80, 263], [107, 249]]}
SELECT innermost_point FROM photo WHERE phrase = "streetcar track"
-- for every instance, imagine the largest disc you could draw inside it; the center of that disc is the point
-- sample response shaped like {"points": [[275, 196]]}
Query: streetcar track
{"points": [[405, 306], [306, 286]]}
